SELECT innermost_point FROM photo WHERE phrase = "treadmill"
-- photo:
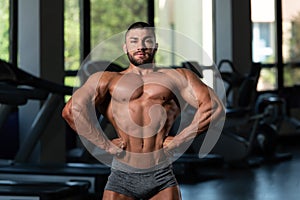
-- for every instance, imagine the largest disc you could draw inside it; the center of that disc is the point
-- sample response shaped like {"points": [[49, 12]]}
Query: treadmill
{"points": [[20, 179]]}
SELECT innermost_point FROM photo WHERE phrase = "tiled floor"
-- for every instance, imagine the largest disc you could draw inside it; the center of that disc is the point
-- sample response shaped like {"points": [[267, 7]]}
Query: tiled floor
{"points": [[280, 181]]}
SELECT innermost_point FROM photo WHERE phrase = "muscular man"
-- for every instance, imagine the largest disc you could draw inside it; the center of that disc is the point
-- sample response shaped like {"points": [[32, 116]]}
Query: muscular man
{"points": [[141, 102]]}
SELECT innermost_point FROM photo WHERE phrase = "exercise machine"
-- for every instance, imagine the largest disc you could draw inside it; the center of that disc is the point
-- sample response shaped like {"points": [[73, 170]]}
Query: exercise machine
{"points": [[22, 179], [267, 143], [244, 127]]}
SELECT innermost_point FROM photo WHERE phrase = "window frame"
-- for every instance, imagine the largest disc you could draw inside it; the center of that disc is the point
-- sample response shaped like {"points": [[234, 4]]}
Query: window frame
{"points": [[85, 29], [13, 36], [279, 63]]}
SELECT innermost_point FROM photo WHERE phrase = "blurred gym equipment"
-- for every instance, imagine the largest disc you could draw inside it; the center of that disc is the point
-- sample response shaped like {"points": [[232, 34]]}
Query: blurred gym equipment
{"points": [[20, 178]]}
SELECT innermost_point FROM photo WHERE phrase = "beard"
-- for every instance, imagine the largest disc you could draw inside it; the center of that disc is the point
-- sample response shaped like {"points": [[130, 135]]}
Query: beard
{"points": [[137, 62]]}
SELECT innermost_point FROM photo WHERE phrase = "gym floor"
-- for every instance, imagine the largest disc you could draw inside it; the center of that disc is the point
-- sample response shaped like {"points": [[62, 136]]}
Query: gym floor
{"points": [[274, 181]]}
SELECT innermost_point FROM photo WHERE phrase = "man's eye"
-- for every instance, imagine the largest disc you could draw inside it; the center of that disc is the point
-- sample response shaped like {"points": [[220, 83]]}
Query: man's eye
{"points": [[149, 41]]}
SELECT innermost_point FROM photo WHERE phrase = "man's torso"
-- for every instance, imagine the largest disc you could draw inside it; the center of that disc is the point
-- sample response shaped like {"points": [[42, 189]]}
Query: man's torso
{"points": [[142, 109]]}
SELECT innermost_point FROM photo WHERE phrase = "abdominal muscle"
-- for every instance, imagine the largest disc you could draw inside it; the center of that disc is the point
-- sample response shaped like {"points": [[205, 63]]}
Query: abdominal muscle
{"points": [[143, 131], [142, 152]]}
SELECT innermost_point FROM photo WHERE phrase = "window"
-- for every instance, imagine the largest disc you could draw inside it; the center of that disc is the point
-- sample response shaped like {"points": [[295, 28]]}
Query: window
{"points": [[291, 30], [110, 18], [191, 37], [106, 19], [71, 38], [263, 25], [186, 34], [4, 30], [186, 29], [278, 50], [264, 42], [291, 41]]}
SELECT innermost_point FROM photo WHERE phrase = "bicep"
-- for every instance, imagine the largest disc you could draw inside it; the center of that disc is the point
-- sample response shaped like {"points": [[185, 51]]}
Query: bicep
{"points": [[195, 92], [84, 98], [89, 91], [205, 100]]}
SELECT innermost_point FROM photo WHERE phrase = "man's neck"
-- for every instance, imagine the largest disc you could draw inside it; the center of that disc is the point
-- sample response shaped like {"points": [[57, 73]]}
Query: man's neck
{"points": [[142, 69]]}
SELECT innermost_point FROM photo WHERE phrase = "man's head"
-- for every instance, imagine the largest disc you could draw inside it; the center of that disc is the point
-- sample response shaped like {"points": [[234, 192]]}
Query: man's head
{"points": [[140, 43]]}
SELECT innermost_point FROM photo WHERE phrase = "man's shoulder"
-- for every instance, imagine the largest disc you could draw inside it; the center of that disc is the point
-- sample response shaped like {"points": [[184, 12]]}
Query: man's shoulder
{"points": [[104, 76], [168, 70], [110, 74]]}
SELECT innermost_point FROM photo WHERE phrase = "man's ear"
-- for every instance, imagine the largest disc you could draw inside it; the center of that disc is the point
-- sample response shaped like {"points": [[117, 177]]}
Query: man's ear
{"points": [[125, 48], [156, 46]]}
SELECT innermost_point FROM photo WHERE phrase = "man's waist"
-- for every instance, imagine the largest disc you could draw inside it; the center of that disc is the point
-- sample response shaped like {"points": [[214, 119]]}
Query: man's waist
{"points": [[142, 167]]}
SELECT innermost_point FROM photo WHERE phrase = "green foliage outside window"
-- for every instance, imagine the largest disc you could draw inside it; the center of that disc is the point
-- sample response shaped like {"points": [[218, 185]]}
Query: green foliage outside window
{"points": [[108, 18], [72, 35], [294, 51], [111, 17], [292, 70]]}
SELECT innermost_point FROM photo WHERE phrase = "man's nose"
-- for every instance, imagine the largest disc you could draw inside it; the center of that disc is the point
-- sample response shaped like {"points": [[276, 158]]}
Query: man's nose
{"points": [[141, 45]]}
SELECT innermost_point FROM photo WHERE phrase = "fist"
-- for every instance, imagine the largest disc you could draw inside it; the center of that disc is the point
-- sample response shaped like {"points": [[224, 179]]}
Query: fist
{"points": [[118, 147], [167, 141]]}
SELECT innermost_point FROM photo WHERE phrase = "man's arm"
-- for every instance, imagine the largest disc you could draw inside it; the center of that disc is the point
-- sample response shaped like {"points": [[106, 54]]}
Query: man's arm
{"points": [[209, 109], [79, 112]]}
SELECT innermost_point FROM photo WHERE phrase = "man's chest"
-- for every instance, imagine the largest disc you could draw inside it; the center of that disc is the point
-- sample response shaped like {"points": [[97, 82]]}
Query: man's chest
{"points": [[152, 86]]}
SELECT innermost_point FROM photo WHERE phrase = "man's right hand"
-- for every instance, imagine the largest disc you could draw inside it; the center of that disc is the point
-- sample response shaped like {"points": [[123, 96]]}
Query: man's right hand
{"points": [[166, 145], [117, 148], [167, 141]]}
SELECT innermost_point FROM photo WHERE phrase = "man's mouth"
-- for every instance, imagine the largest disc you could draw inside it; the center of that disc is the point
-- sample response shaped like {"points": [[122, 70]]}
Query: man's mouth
{"points": [[140, 54]]}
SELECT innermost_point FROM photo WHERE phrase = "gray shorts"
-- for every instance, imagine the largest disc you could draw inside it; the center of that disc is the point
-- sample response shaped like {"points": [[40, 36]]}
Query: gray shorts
{"points": [[141, 185]]}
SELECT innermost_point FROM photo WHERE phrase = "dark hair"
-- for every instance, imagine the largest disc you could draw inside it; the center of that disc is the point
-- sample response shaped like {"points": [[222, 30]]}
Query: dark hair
{"points": [[140, 25]]}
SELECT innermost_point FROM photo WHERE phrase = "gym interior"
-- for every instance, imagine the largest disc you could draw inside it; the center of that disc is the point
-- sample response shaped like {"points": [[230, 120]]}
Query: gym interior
{"points": [[246, 50]]}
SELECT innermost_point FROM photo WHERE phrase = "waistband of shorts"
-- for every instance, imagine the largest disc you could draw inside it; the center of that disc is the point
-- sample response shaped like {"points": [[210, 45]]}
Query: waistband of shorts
{"points": [[120, 166]]}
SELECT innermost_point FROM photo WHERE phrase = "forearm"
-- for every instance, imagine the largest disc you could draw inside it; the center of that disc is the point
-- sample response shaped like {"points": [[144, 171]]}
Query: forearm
{"points": [[83, 120], [188, 133], [80, 113], [204, 117]]}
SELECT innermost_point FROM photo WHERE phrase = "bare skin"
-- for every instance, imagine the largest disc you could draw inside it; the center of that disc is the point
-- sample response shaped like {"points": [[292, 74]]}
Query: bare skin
{"points": [[142, 103]]}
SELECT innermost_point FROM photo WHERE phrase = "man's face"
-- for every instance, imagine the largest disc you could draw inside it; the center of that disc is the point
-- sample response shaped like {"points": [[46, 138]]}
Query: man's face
{"points": [[140, 46]]}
